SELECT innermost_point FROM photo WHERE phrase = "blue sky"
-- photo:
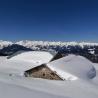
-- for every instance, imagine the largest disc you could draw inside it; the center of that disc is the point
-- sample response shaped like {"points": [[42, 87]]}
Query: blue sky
{"points": [[59, 20]]}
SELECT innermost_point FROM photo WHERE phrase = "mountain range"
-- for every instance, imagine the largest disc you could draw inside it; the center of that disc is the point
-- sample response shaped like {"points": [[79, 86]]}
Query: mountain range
{"points": [[88, 50]]}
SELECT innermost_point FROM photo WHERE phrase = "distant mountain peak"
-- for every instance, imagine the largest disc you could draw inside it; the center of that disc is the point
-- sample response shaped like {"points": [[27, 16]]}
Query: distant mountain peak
{"points": [[30, 44]]}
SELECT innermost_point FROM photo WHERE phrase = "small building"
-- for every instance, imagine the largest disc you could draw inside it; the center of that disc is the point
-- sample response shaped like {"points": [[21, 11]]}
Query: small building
{"points": [[72, 67], [42, 71], [33, 64]]}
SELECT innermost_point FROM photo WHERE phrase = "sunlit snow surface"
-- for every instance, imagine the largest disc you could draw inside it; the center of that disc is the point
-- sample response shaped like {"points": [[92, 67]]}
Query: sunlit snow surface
{"points": [[73, 67], [19, 63], [36, 57], [15, 86]]}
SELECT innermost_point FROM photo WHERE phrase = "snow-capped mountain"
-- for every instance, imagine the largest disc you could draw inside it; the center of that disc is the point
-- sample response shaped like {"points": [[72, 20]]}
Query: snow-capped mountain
{"points": [[5, 44], [33, 44], [48, 43], [60, 46], [88, 50], [75, 68]]}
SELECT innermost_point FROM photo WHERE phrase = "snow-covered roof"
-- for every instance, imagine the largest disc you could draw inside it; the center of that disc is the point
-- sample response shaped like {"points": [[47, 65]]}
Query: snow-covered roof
{"points": [[22, 61], [73, 67], [22, 87], [36, 57]]}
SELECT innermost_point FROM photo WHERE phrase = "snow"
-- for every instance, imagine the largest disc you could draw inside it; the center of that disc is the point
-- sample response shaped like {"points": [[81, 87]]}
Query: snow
{"points": [[95, 65], [33, 44], [36, 57], [13, 91], [29, 43], [15, 67], [22, 61], [41, 88], [73, 67], [18, 86], [5, 43]]}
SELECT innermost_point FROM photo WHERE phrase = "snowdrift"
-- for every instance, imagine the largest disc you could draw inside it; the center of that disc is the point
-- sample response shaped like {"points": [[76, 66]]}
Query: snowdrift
{"points": [[15, 67], [73, 67], [13, 91]]}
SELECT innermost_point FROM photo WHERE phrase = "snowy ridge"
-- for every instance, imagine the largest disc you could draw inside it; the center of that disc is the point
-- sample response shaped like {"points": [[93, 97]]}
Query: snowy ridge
{"points": [[5, 43], [47, 43], [32, 44]]}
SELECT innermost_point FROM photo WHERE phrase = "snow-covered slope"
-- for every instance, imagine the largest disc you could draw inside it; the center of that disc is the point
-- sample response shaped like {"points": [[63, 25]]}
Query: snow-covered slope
{"points": [[73, 67], [21, 87], [36, 57], [15, 67], [15, 86], [15, 91], [95, 65]]}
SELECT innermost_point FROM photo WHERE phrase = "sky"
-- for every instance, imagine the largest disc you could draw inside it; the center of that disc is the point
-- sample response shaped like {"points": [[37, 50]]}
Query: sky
{"points": [[53, 20]]}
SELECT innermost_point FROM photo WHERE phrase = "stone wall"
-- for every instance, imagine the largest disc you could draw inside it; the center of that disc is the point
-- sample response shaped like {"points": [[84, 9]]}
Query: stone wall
{"points": [[42, 72]]}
